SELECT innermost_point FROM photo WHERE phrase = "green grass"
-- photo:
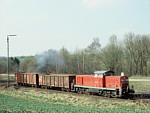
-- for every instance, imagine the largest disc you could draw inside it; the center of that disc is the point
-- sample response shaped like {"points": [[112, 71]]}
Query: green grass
{"points": [[139, 77], [141, 85], [37, 101], [12, 104]]}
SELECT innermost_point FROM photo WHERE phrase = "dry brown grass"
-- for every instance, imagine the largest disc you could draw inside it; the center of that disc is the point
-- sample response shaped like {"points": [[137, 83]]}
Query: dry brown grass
{"points": [[58, 97], [75, 99]]}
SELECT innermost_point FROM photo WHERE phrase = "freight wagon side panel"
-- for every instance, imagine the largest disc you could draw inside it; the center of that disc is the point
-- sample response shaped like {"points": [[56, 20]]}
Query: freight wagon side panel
{"points": [[47, 80], [66, 82], [52, 81], [56, 82], [25, 78], [61, 81], [18, 78], [40, 80], [44, 80], [34, 79], [31, 78], [28, 79], [22, 78]]}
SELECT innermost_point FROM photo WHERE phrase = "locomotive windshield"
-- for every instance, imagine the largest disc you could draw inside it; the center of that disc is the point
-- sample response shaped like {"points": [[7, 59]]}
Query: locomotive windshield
{"points": [[109, 74], [104, 73]]}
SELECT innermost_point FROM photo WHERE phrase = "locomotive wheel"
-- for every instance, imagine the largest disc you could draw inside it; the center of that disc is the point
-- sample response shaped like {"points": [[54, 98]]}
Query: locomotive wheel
{"points": [[104, 94], [86, 91], [100, 92], [113, 95], [109, 95], [79, 90]]}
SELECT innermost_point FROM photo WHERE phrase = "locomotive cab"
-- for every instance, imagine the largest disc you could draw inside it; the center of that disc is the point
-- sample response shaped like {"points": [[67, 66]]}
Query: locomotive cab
{"points": [[120, 83], [104, 73]]}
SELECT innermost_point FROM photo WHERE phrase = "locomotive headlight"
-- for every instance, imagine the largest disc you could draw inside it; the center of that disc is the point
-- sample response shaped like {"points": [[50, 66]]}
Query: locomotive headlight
{"points": [[127, 80], [122, 80]]}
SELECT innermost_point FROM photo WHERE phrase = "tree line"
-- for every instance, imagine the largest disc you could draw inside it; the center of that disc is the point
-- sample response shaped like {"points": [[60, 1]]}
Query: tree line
{"points": [[131, 55]]}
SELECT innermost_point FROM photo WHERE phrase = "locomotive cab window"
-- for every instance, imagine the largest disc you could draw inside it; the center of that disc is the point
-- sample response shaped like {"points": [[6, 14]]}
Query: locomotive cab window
{"points": [[105, 74], [109, 74], [100, 75], [96, 75]]}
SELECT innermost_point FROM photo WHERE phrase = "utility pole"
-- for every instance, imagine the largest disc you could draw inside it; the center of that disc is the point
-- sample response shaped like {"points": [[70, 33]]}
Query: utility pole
{"points": [[8, 58]]}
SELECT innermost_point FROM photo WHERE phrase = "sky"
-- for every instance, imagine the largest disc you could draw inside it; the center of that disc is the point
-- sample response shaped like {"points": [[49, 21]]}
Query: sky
{"points": [[41, 25]]}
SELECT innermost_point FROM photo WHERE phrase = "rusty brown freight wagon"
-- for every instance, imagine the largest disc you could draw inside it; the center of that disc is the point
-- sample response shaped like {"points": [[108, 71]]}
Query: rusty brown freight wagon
{"points": [[27, 79], [63, 81]]}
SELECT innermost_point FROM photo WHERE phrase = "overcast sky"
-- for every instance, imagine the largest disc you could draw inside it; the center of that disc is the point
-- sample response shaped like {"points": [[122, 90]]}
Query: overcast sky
{"points": [[52, 24]]}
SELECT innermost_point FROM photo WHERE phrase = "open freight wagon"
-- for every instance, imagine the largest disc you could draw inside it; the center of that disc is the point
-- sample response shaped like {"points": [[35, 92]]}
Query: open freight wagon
{"points": [[30, 79], [63, 81]]}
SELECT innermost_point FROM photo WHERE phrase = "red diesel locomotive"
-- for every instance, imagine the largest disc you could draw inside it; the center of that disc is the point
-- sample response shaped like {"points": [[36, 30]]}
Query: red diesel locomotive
{"points": [[102, 82]]}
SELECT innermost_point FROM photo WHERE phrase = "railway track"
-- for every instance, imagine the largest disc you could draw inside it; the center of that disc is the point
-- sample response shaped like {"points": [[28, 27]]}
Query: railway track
{"points": [[50, 91]]}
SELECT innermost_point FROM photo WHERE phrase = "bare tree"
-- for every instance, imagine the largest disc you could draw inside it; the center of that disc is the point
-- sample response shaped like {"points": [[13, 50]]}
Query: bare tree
{"points": [[112, 55], [93, 52]]}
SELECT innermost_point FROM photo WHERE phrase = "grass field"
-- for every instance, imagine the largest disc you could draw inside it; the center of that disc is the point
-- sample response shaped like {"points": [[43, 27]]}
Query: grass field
{"points": [[141, 86], [34, 100], [12, 104], [139, 77], [40, 100]]}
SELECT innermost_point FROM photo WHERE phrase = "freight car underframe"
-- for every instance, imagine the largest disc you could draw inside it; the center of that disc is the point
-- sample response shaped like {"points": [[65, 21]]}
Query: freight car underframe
{"points": [[108, 92], [45, 86], [26, 84]]}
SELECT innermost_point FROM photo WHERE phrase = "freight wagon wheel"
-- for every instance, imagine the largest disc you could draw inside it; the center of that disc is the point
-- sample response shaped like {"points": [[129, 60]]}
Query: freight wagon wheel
{"points": [[45, 87], [67, 89], [62, 89], [18, 84]]}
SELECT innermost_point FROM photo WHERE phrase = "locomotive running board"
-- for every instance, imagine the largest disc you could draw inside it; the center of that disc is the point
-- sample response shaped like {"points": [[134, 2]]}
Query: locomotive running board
{"points": [[94, 87]]}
